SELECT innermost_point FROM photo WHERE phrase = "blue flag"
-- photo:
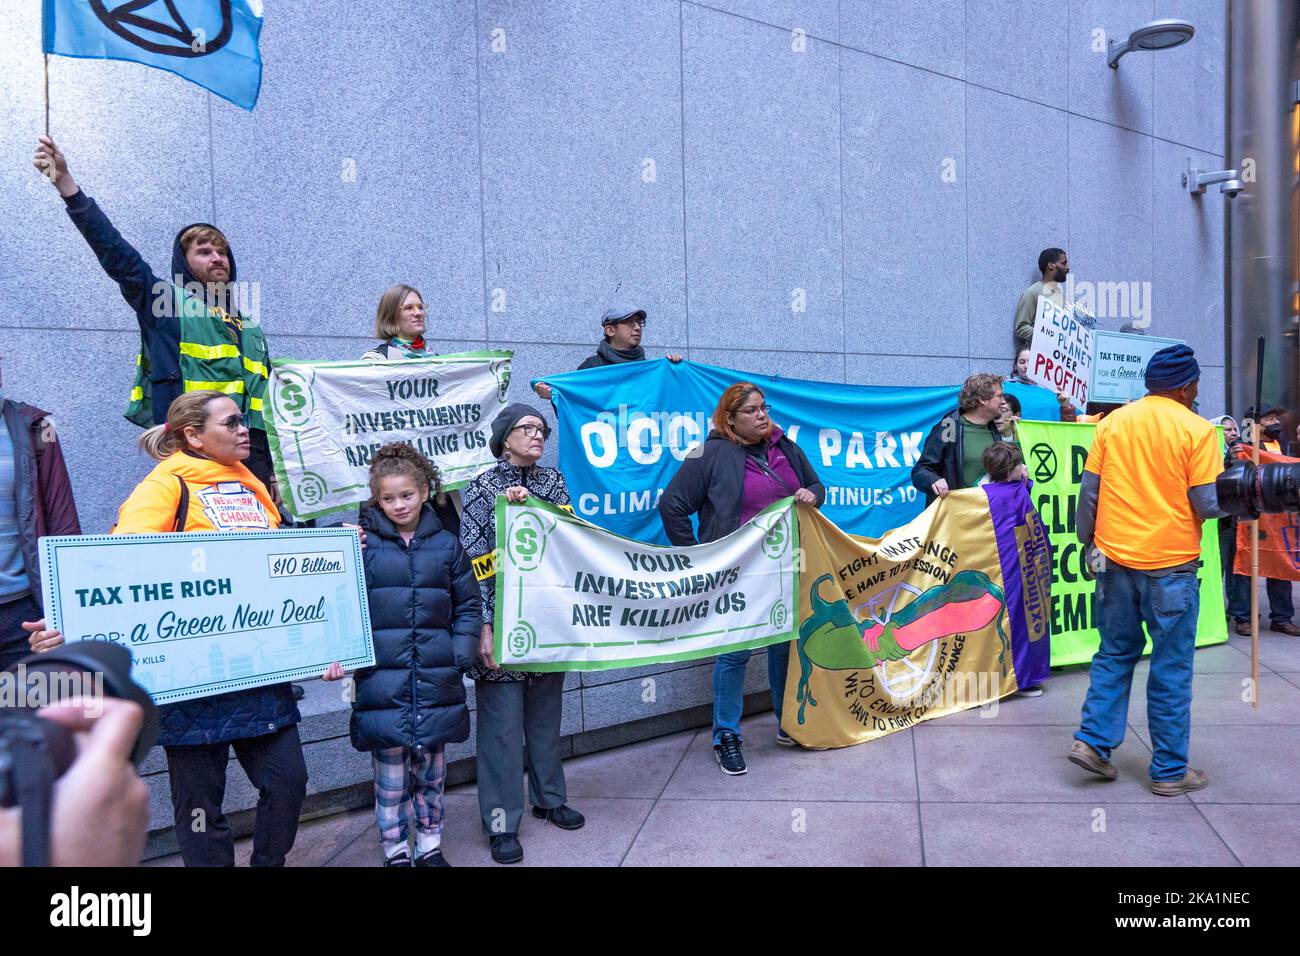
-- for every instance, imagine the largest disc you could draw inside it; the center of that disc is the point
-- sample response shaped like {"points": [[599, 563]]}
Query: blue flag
{"points": [[209, 42]]}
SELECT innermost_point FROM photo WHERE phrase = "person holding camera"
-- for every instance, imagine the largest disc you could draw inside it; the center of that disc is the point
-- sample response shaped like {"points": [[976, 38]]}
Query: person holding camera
{"points": [[1148, 484], [100, 810]]}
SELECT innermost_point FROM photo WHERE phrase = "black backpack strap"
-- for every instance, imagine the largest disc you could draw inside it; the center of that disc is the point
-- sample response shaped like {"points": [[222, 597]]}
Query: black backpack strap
{"points": [[182, 507]]}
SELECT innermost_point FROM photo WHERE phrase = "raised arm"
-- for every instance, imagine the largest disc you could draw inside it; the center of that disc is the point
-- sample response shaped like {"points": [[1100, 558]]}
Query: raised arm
{"points": [[117, 257]]}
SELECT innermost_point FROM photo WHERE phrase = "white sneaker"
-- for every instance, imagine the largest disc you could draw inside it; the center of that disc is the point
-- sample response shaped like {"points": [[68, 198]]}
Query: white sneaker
{"points": [[1035, 691], [785, 740]]}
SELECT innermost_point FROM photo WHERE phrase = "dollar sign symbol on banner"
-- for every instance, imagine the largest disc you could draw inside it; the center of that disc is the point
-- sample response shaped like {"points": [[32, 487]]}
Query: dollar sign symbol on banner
{"points": [[292, 397], [526, 542]]}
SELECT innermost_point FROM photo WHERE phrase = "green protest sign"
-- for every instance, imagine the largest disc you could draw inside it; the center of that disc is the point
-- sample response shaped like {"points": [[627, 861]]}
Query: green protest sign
{"points": [[1055, 453], [572, 596], [326, 420]]}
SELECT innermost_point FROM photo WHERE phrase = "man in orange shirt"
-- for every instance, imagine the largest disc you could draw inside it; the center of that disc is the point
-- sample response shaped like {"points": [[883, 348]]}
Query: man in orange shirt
{"points": [[1147, 486]]}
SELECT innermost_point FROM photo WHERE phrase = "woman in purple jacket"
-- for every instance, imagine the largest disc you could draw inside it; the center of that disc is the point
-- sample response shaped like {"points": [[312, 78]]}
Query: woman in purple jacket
{"points": [[746, 465]]}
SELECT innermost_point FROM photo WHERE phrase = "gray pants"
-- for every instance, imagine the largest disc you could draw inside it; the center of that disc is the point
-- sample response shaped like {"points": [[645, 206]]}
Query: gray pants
{"points": [[514, 716]]}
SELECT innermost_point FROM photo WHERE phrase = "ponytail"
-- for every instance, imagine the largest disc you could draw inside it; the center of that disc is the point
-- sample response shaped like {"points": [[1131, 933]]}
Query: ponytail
{"points": [[189, 410]]}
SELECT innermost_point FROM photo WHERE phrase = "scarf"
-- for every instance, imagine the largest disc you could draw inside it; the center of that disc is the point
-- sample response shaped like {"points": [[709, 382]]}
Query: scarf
{"points": [[415, 349], [618, 356]]}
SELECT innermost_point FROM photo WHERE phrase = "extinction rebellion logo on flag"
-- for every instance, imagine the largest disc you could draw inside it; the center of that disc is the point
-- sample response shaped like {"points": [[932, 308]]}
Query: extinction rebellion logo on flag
{"points": [[209, 31]]}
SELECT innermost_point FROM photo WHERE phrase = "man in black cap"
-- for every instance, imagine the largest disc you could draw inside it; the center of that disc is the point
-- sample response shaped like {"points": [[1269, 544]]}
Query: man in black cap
{"points": [[1147, 486], [621, 343]]}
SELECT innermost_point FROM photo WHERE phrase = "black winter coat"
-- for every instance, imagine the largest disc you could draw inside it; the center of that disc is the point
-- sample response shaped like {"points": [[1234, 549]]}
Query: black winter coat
{"points": [[711, 481], [425, 617], [943, 459]]}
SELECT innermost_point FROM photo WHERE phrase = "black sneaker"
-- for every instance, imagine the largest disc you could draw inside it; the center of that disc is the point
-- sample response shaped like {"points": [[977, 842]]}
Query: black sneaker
{"points": [[727, 752], [402, 859], [563, 816], [432, 858], [506, 848]]}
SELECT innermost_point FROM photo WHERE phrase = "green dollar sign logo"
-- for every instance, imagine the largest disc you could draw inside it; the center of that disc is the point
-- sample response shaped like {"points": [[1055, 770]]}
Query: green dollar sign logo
{"points": [[774, 541], [292, 397], [526, 542]]}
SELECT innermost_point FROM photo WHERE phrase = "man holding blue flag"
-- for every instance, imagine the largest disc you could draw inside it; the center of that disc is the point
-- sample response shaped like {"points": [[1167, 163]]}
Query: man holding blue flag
{"points": [[209, 42], [192, 332]]}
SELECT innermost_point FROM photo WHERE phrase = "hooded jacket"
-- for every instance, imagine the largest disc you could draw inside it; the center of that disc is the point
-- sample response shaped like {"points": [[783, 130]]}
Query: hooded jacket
{"points": [[160, 335], [711, 482], [426, 620], [42, 491]]}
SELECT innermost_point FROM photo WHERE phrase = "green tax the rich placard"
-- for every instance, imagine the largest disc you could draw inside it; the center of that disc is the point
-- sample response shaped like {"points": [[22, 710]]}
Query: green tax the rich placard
{"points": [[205, 613]]}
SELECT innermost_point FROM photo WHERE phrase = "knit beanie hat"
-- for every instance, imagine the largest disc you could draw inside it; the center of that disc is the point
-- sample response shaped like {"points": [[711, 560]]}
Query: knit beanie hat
{"points": [[506, 420], [1172, 368]]}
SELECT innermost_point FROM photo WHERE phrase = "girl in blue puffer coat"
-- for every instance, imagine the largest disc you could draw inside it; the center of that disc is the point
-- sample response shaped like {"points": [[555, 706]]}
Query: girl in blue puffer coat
{"points": [[425, 613]]}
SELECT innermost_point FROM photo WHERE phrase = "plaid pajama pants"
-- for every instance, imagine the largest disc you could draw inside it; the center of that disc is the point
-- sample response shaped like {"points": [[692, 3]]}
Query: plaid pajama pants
{"points": [[406, 780]]}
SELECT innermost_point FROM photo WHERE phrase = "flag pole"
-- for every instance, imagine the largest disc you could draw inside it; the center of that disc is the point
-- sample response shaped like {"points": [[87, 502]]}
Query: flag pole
{"points": [[47, 94]]}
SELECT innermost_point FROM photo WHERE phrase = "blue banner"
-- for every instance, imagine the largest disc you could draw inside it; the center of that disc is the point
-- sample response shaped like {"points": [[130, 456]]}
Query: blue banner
{"points": [[209, 42], [624, 429]]}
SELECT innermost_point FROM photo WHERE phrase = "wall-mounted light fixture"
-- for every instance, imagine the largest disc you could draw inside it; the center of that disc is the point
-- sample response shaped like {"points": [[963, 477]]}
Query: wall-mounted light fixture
{"points": [[1156, 35], [1195, 180]]}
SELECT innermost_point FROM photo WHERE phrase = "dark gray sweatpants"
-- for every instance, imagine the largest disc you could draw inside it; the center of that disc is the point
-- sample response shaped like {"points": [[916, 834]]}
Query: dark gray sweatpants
{"points": [[514, 716]]}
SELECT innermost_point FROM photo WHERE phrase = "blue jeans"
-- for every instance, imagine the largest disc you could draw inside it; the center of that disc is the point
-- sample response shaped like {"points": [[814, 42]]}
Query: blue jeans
{"points": [[1280, 606], [729, 686], [1125, 599]]}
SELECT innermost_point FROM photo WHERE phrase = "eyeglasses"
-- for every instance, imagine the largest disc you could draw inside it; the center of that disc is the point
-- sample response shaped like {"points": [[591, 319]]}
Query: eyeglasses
{"points": [[754, 410], [234, 423], [533, 431], [633, 320]]}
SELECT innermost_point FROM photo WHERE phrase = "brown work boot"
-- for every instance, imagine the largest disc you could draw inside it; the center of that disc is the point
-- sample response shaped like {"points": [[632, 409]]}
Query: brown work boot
{"points": [[1087, 758], [1243, 628], [1285, 627], [1192, 779]]}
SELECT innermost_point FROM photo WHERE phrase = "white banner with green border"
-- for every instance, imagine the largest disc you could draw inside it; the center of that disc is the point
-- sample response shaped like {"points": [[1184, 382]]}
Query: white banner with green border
{"points": [[326, 420], [571, 596]]}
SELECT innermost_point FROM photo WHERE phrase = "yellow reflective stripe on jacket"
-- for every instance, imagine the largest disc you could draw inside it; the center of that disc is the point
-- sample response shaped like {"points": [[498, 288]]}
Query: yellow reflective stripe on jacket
{"points": [[257, 368], [195, 350], [254, 404], [229, 388], [137, 394]]}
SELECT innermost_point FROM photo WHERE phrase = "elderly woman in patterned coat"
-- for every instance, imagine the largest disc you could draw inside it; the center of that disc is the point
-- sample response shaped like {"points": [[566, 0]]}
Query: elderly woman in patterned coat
{"points": [[516, 710]]}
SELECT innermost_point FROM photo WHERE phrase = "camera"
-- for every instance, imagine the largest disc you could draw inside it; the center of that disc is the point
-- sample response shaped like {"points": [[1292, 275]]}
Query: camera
{"points": [[34, 752], [1247, 491]]}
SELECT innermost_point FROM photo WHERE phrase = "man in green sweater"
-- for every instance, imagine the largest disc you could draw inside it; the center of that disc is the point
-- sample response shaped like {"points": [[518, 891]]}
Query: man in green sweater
{"points": [[1054, 264]]}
